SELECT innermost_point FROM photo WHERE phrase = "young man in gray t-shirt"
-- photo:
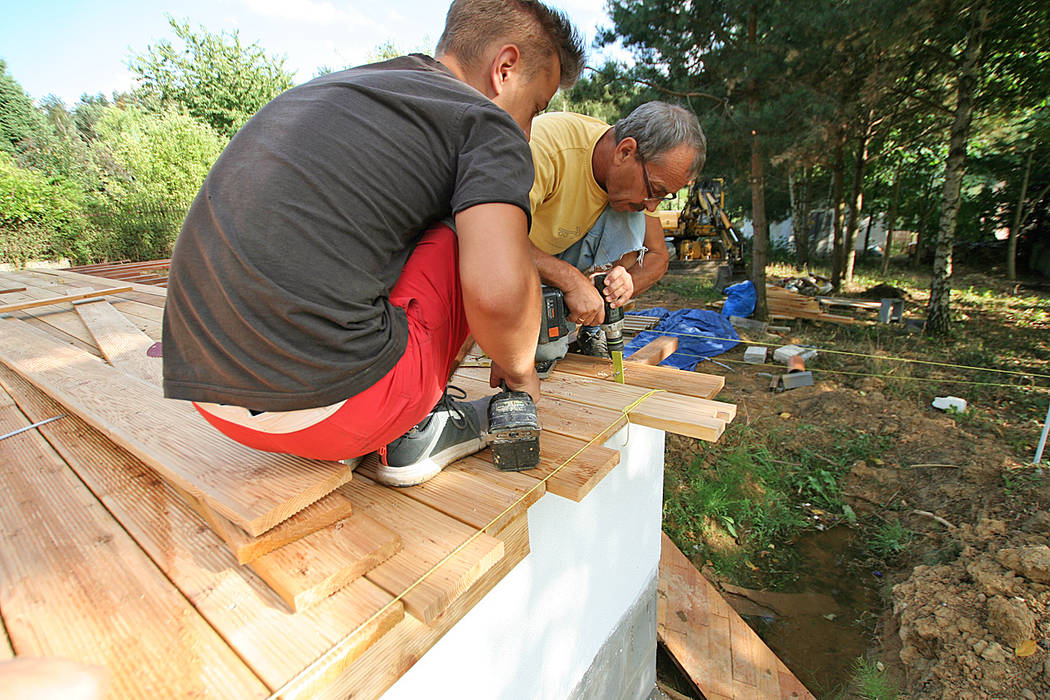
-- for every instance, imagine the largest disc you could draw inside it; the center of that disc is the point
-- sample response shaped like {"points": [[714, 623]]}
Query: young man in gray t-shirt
{"points": [[316, 302]]}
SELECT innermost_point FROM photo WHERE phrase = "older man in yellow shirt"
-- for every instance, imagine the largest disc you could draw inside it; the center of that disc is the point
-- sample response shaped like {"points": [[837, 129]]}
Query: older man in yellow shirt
{"points": [[593, 202]]}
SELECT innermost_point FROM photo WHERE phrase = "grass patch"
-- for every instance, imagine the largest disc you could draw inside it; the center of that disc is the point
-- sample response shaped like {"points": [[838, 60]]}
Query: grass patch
{"points": [[890, 539], [869, 682], [695, 290], [738, 505]]}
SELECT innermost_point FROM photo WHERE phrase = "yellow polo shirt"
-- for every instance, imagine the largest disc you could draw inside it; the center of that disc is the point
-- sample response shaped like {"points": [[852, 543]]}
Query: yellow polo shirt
{"points": [[565, 198]]}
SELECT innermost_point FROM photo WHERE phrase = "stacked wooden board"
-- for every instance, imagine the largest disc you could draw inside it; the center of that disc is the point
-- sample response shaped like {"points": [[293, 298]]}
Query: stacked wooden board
{"points": [[785, 304], [136, 537]]}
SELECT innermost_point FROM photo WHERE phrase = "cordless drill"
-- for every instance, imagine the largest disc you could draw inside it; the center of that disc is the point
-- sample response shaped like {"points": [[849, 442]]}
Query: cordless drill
{"points": [[613, 325]]}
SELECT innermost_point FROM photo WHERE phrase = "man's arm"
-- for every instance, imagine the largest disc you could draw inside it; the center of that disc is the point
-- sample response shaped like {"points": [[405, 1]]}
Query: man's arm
{"points": [[501, 291], [654, 263], [584, 302]]}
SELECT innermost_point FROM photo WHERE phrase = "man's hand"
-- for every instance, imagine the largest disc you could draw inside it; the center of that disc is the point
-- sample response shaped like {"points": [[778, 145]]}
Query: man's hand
{"points": [[529, 383], [619, 286], [585, 303]]}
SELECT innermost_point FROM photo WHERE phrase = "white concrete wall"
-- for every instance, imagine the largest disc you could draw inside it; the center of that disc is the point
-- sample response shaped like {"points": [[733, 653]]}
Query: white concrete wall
{"points": [[535, 634]]}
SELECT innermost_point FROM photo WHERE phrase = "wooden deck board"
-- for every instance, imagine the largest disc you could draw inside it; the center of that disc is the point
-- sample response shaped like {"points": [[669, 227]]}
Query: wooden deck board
{"points": [[694, 417], [390, 657], [237, 603], [427, 537], [121, 342], [255, 490], [459, 491], [73, 584], [720, 653]]}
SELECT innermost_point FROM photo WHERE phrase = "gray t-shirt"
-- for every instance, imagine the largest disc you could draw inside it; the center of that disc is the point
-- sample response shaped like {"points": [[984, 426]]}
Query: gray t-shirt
{"points": [[278, 295]]}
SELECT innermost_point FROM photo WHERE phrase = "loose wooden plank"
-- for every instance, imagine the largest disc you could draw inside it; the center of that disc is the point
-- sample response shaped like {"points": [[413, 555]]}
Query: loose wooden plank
{"points": [[246, 548], [74, 585], [427, 537], [239, 605], [703, 386], [321, 563], [12, 290], [684, 415], [719, 652], [655, 351], [121, 343], [390, 657], [255, 490], [18, 306], [462, 491]]}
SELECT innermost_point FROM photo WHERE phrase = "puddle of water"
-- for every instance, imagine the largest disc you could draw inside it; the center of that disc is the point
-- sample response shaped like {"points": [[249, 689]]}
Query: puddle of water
{"points": [[818, 650]]}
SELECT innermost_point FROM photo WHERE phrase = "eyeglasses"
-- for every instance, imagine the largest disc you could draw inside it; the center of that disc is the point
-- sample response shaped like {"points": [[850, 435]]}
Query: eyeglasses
{"points": [[670, 197]]}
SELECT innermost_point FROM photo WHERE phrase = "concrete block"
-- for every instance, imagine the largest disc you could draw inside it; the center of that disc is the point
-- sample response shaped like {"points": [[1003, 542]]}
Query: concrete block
{"points": [[755, 354], [784, 353], [796, 379], [748, 324]]}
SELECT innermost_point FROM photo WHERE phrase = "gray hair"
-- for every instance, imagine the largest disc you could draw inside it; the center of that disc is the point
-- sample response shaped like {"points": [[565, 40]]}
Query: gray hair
{"points": [[658, 127]]}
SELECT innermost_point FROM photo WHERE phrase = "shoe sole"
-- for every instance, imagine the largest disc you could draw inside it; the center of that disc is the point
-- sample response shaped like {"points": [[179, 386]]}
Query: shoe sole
{"points": [[416, 474]]}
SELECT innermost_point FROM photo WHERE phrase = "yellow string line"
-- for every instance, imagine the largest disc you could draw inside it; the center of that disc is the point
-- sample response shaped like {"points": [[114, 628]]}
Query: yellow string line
{"points": [[330, 657], [858, 354], [888, 376]]}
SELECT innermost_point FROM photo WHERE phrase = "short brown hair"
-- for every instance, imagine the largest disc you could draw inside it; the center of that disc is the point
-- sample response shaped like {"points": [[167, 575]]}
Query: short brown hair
{"points": [[471, 26]]}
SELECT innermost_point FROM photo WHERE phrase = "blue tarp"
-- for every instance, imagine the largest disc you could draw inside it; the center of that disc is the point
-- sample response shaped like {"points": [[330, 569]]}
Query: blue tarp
{"points": [[740, 299], [688, 323]]}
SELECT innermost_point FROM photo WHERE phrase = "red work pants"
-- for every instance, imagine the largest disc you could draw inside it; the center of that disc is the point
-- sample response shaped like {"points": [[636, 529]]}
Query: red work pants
{"points": [[429, 292]]}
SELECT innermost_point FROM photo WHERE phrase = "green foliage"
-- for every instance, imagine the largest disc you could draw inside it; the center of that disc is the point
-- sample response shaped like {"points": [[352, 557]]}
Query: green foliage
{"points": [[39, 218], [869, 682], [214, 77], [152, 165], [890, 539], [20, 121]]}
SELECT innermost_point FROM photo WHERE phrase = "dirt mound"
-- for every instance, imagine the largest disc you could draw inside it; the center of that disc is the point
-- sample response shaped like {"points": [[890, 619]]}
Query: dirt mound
{"points": [[977, 627]]}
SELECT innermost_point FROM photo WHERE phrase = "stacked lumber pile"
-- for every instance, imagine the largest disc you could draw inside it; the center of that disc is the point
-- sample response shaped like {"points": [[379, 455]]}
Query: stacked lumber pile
{"points": [[148, 272], [785, 304], [151, 536]]}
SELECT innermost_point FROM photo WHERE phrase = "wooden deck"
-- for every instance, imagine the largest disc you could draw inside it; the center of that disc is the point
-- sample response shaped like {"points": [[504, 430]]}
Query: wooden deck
{"points": [[712, 644], [136, 538]]}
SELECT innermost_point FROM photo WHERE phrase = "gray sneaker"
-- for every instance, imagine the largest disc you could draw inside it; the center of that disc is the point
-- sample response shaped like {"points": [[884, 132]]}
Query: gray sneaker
{"points": [[592, 342], [449, 432]]}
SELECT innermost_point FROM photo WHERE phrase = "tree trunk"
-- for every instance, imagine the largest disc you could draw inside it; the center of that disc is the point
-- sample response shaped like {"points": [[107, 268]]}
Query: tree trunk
{"points": [[1015, 225], [798, 188], [856, 204], [761, 230], [837, 169], [938, 320], [867, 235], [891, 225], [758, 196]]}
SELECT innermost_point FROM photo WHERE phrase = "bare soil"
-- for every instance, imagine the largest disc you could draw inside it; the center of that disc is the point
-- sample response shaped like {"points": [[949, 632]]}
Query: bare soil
{"points": [[964, 612]]}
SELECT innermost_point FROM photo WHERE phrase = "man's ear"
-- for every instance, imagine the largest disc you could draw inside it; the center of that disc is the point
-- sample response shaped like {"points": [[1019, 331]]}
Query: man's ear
{"points": [[506, 65], [628, 148]]}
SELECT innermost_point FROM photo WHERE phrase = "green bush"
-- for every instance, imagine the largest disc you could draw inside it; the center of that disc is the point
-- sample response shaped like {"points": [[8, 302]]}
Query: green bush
{"points": [[40, 218]]}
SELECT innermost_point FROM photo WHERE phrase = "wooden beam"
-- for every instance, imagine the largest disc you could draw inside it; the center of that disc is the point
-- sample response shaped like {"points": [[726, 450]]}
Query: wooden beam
{"points": [[655, 351], [276, 643], [255, 490], [703, 386], [10, 291], [73, 584], [8, 308]]}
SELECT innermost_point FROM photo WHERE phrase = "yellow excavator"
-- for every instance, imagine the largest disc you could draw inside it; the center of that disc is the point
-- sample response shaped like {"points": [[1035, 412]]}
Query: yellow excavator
{"points": [[702, 229]]}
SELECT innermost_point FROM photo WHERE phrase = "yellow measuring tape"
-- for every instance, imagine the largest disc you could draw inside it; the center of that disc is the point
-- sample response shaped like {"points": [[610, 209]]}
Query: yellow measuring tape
{"points": [[321, 665]]}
